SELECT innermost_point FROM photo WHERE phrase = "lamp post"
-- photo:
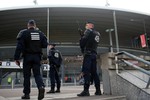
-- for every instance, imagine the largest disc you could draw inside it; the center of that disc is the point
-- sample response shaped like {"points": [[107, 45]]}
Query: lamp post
{"points": [[144, 29], [35, 2], [107, 3], [110, 38]]}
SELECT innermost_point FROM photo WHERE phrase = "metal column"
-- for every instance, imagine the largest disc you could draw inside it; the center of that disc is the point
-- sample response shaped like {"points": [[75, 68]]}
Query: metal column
{"points": [[146, 36], [116, 33], [48, 25], [62, 74], [110, 40], [48, 42]]}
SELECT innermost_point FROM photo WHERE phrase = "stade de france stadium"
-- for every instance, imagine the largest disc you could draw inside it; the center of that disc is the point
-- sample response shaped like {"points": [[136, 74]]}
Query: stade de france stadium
{"points": [[120, 31]]}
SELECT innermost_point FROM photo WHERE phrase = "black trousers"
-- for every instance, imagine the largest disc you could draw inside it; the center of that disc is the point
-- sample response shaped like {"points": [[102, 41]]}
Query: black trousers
{"points": [[89, 70], [32, 61], [54, 76]]}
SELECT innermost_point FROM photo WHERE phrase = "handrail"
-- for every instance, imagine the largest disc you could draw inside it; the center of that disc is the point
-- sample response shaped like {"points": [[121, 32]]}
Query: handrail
{"points": [[5, 75], [135, 66], [134, 57]]}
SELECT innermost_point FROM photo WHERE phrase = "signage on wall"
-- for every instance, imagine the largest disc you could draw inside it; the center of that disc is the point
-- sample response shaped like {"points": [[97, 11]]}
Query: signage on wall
{"points": [[143, 40]]}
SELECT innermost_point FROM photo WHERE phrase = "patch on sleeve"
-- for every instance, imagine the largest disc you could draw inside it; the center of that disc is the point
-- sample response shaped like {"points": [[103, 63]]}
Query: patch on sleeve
{"points": [[56, 55], [97, 38]]}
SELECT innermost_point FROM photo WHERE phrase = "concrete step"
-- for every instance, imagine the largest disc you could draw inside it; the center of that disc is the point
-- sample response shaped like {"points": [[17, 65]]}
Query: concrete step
{"points": [[102, 97]]}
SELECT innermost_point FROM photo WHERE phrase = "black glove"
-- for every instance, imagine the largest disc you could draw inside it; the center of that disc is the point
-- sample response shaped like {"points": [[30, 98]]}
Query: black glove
{"points": [[17, 63], [80, 32]]}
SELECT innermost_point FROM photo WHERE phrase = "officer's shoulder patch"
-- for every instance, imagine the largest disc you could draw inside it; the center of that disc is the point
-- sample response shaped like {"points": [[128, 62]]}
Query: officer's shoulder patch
{"points": [[20, 33], [56, 55]]}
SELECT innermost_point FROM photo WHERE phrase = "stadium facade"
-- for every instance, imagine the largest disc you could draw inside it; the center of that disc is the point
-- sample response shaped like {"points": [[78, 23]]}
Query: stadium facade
{"points": [[60, 24]]}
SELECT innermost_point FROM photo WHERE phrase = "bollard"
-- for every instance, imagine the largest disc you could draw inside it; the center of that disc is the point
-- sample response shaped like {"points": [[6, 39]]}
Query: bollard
{"points": [[75, 82], [61, 82], [12, 84], [31, 83], [46, 82], [116, 59]]}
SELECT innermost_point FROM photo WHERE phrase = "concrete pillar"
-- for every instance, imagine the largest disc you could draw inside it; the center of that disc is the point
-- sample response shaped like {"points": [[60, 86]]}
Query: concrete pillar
{"points": [[108, 73]]}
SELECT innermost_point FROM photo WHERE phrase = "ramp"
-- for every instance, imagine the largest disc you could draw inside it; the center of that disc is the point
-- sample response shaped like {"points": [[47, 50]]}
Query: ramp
{"points": [[133, 87]]}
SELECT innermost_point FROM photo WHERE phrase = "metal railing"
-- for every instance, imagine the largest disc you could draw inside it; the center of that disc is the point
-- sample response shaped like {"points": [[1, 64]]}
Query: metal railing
{"points": [[133, 65]]}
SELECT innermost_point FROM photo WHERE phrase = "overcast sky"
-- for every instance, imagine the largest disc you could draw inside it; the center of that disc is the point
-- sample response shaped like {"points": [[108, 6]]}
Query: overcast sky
{"points": [[136, 5]]}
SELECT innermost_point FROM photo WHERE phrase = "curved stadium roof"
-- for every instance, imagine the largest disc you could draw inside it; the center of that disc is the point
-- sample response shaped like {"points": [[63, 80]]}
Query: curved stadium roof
{"points": [[63, 23]]}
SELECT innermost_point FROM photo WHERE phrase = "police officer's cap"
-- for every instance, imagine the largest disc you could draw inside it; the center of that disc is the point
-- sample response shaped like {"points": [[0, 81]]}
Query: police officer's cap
{"points": [[31, 22], [53, 44]]}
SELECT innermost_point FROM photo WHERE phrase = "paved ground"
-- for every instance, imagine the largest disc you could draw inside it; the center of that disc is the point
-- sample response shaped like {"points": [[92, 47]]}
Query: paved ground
{"points": [[67, 93]]}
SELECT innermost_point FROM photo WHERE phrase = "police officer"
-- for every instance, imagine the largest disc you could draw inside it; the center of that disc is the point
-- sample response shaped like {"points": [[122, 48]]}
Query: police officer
{"points": [[30, 43], [55, 60], [88, 44]]}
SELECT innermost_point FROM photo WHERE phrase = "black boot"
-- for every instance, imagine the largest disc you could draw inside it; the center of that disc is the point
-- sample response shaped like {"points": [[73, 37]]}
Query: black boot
{"points": [[41, 93], [25, 97], [84, 93], [98, 91], [58, 89], [51, 91]]}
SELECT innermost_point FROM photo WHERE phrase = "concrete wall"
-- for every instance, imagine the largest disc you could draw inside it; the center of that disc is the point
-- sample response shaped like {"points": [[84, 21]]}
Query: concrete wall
{"points": [[115, 84]]}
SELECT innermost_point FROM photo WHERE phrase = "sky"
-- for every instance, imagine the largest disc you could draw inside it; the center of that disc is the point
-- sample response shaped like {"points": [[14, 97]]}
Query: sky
{"points": [[134, 5]]}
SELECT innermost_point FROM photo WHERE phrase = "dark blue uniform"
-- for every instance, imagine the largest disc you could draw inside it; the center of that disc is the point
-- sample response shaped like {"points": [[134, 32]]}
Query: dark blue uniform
{"points": [[30, 43], [55, 60], [88, 44]]}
